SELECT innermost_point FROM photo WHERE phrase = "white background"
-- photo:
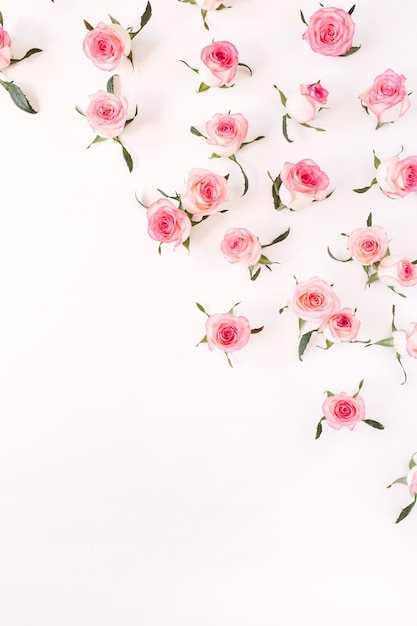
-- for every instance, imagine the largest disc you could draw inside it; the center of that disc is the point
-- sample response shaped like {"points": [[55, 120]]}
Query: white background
{"points": [[143, 482]]}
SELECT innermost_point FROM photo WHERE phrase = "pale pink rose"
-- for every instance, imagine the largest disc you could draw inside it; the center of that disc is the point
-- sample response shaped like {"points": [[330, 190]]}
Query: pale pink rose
{"points": [[106, 45], [227, 332], [304, 104], [220, 62], [302, 183], [107, 113], [343, 410], [397, 177], [167, 223], [387, 99], [396, 270], [330, 31], [368, 245], [412, 481], [226, 132], [5, 43], [239, 245], [341, 326], [314, 300], [209, 5], [205, 192], [405, 340]]}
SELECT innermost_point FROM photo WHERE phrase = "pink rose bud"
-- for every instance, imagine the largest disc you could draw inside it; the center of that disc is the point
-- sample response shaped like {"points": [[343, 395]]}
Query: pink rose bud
{"points": [[397, 177], [5, 43], [341, 326], [387, 99], [106, 45], [220, 62], [107, 113], [395, 270], [167, 223], [368, 245], [226, 133], [239, 245], [330, 32], [227, 332], [304, 104], [314, 300], [343, 410], [205, 192], [302, 183]]}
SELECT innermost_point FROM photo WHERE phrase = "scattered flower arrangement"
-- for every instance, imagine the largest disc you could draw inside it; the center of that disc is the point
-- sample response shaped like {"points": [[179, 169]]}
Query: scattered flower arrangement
{"points": [[303, 105], [395, 177], [344, 411], [298, 185], [206, 6], [410, 480], [330, 31], [387, 98], [226, 331]]}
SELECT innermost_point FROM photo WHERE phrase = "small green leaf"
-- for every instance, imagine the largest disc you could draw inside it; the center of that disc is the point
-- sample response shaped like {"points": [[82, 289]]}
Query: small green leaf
{"points": [[374, 424], [351, 9], [412, 464], [282, 309], [246, 143], [276, 184], [329, 394], [110, 84], [319, 428], [28, 54], [126, 155], [245, 178], [196, 132], [303, 19], [335, 258], [227, 356], [18, 96], [233, 307], [359, 388], [352, 50], [202, 87], [256, 274], [372, 278], [186, 244], [246, 66], [282, 96], [405, 511], [97, 139], [201, 308], [278, 239], [320, 130], [146, 16], [79, 111], [304, 341], [203, 15], [1, 18], [113, 20], [203, 340], [388, 342], [369, 220], [284, 128], [398, 356], [377, 162], [130, 120], [189, 66], [398, 481], [255, 331], [88, 25]]}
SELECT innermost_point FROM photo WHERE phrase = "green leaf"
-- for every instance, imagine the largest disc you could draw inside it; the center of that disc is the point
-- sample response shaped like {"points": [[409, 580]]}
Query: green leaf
{"points": [[398, 481], [28, 54], [405, 511], [329, 394], [256, 274], [351, 9], [369, 220], [18, 96], [284, 128], [196, 132], [246, 143], [388, 342], [1, 18], [276, 184], [130, 120], [126, 155], [335, 258], [398, 356], [245, 178], [377, 162], [227, 356], [352, 50], [202, 87], [97, 139], [203, 340], [359, 388], [412, 463], [186, 244], [203, 15], [374, 424], [233, 307], [372, 278], [319, 428], [320, 130], [110, 84], [282, 96], [246, 66], [79, 111], [88, 25], [304, 341], [282, 309], [146, 16], [280, 237], [255, 331], [189, 66], [303, 19], [113, 20], [201, 308]]}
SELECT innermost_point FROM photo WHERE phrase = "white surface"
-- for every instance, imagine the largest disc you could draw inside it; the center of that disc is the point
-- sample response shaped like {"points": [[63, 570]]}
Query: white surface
{"points": [[142, 480]]}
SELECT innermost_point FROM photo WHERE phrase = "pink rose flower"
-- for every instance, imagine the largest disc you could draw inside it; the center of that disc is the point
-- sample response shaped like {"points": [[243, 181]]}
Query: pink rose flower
{"points": [[5, 43], [368, 245], [341, 326], [343, 410], [396, 270], [167, 223], [397, 177], [314, 300], [107, 113], [405, 341], [304, 104], [205, 192], [387, 99], [220, 62], [227, 133], [302, 183], [412, 481], [106, 45], [209, 5], [227, 332], [330, 32], [239, 245]]}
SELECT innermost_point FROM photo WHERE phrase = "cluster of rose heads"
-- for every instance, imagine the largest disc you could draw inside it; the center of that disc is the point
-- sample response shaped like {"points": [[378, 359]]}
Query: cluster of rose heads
{"points": [[395, 177], [330, 32], [369, 247], [205, 6], [316, 302], [299, 184], [410, 480], [219, 65], [303, 105], [226, 331], [387, 98], [6, 60], [226, 133], [344, 411], [205, 194], [240, 245]]}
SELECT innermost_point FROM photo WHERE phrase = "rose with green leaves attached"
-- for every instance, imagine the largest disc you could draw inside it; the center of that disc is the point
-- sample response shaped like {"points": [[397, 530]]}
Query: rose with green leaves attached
{"points": [[330, 31]]}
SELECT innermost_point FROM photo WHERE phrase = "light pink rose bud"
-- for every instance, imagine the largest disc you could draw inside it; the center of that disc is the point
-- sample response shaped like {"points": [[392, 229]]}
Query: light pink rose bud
{"points": [[412, 481], [341, 326], [167, 223], [220, 62], [405, 340], [205, 192], [387, 99], [107, 113], [368, 245], [208, 5], [397, 177], [314, 300], [239, 245], [5, 43], [106, 45], [395, 270], [304, 104], [302, 183], [343, 410], [330, 32], [227, 332], [226, 133]]}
